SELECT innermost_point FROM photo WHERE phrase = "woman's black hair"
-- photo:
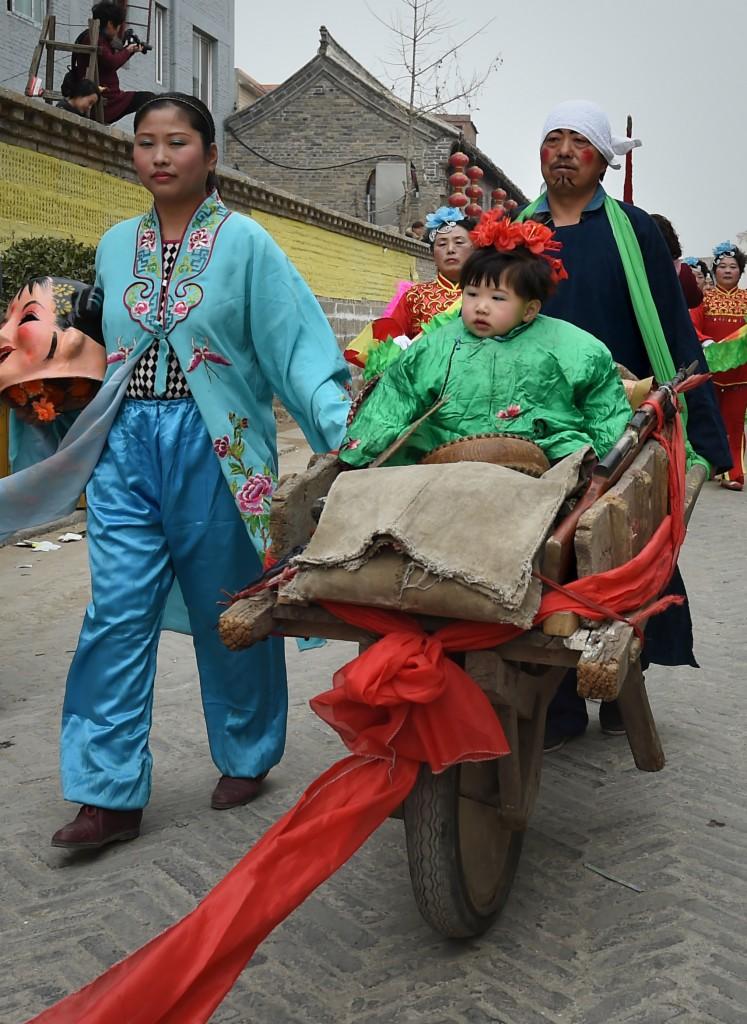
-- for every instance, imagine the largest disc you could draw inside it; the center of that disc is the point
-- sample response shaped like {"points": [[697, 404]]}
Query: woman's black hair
{"points": [[670, 235], [108, 12], [528, 275], [705, 271], [78, 87], [468, 224], [199, 117]]}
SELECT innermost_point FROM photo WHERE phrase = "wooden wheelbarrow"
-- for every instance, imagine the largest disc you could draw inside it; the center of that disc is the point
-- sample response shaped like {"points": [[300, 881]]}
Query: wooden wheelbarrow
{"points": [[465, 827]]}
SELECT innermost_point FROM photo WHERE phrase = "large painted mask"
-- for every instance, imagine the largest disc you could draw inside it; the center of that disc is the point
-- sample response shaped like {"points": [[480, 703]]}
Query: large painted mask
{"points": [[52, 357]]}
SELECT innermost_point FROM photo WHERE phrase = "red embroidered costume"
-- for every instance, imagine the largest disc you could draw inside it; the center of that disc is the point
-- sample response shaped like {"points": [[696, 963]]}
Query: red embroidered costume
{"points": [[721, 314]]}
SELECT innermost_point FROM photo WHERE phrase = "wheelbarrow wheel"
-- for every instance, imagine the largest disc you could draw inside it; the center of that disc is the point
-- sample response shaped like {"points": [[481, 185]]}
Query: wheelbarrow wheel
{"points": [[462, 860]]}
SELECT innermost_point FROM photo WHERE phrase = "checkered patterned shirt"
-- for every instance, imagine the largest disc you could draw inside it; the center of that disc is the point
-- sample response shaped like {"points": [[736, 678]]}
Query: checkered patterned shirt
{"points": [[143, 381]]}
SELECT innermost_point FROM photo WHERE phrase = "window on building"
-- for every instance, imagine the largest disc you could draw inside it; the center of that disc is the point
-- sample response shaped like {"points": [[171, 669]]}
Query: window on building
{"points": [[159, 37], [202, 67], [30, 9]]}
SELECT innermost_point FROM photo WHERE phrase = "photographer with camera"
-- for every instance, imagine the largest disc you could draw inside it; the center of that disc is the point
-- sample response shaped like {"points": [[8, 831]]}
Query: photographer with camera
{"points": [[113, 53]]}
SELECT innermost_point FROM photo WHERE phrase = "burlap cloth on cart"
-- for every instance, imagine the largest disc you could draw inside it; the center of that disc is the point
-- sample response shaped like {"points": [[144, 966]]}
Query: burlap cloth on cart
{"points": [[456, 540]]}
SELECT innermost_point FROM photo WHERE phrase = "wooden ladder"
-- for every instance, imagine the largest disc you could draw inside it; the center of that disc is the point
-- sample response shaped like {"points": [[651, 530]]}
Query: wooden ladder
{"points": [[48, 41]]}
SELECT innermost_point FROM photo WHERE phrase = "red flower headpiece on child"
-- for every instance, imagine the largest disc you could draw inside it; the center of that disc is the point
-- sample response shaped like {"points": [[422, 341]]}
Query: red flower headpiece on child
{"points": [[495, 229]]}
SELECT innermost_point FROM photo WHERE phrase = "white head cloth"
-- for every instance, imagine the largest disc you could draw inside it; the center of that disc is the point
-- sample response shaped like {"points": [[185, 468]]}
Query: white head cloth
{"points": [[591, 121]]}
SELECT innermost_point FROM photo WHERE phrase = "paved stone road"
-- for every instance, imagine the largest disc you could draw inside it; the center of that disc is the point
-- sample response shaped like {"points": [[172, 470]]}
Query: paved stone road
{"points": [[571, 947]]}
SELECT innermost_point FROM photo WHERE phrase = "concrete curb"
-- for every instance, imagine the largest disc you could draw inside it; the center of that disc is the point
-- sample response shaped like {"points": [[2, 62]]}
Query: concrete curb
{"points": [[77, 518]]}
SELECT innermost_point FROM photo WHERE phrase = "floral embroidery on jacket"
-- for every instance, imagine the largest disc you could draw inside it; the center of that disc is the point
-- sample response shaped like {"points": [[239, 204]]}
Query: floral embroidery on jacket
{"points": [[510, 413], [252, 491], [183, 294]]}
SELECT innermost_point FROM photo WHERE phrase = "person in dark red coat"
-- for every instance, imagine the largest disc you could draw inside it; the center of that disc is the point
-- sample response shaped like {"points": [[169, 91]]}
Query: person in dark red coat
{"points": [[117, 103], [690, 287]]}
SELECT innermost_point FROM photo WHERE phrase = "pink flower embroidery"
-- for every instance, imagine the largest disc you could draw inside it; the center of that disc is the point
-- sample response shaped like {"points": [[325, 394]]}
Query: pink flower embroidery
{"points": [[148, 240], [510, 413], [141, 308], [250, 497], [350, 445], [199, 239], [221, 446], [181, 308]]}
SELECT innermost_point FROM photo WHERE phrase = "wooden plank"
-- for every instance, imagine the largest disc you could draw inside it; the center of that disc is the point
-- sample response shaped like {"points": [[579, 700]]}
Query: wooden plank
{"points": [[247, 621], [49, 80], [66, 47], [639, 723], [38, 50], [622, 521], [504, 684], [93, 66], [605, 661], [696, 477], [561, 624], [291, 521]]}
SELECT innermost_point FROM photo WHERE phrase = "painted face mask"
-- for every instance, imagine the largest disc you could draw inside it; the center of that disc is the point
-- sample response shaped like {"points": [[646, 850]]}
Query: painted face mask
{"points": [[52, 358]]}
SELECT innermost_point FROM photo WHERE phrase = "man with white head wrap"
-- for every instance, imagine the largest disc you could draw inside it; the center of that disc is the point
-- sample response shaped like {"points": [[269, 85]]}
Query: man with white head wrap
{"points": [[607, 246]]}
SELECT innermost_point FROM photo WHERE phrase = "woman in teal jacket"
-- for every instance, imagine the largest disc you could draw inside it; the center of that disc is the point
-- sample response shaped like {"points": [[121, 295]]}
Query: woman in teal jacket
{"points": [[204, 318]]}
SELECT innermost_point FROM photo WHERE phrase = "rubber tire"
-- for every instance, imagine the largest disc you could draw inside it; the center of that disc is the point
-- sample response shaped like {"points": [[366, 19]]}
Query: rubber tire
{"points": [[454, 894]]}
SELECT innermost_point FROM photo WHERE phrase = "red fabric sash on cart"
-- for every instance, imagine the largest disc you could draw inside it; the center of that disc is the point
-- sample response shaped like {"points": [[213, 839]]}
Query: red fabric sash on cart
{"points": [[398, 705]]}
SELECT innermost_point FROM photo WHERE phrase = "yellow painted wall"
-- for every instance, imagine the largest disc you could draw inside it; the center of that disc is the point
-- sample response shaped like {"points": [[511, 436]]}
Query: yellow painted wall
{"points": [[42, 195]]}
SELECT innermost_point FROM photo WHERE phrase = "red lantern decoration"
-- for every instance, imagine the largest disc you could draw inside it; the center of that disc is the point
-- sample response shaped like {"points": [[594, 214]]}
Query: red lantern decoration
{"points": [[474, 192], [475, 173], [458, 160], [473, 210], [458, 179], [510, 205], [498, 195]]}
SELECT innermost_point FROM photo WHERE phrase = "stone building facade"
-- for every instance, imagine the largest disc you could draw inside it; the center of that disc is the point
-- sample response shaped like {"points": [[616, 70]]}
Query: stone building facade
{"points": [[193, 47], [335, 135]]}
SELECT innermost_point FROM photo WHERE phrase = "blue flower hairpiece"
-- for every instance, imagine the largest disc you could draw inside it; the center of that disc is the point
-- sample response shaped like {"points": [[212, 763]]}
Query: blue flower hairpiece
{"points": [[442, 217], [724, 249], [691, 261]]}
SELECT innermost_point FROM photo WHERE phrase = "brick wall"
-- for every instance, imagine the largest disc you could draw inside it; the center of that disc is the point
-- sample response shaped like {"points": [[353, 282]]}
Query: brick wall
{"points": [[323, 117]]}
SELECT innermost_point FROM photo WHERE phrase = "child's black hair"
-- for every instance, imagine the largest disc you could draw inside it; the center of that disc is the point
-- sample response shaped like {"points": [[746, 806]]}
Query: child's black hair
{"points": [[79, 87], [528, 275]]}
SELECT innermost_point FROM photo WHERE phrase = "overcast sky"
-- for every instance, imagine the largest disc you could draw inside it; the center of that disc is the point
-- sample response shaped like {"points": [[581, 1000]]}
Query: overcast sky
{"points": [[678, 66]]}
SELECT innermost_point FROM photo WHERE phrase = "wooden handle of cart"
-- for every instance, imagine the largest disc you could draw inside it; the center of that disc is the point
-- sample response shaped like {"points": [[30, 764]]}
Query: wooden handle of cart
{"points": [[558, 554]]}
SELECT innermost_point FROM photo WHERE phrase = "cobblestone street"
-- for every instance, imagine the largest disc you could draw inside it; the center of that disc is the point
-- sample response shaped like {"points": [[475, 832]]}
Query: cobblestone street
{"points": [[571, 947]]}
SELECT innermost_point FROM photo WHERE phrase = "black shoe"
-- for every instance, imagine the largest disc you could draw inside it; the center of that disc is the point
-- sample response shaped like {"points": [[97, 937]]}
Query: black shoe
{"points": [[557, 740], [610, 719]]}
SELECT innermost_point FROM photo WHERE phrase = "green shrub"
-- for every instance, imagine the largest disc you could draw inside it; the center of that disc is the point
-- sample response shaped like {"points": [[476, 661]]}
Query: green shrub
{"points": [[41, 257]]}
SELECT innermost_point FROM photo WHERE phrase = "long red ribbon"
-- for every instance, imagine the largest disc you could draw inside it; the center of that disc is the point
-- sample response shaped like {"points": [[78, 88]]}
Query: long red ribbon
{"points": [[401, 703]]}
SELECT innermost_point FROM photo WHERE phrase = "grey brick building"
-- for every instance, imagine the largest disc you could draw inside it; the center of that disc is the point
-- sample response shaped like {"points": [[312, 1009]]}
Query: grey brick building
{"points": [[193, 46], [334, 112]]}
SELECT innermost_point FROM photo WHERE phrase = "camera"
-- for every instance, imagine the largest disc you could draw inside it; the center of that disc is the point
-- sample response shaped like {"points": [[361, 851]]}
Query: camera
{"points": [[130, 38]]}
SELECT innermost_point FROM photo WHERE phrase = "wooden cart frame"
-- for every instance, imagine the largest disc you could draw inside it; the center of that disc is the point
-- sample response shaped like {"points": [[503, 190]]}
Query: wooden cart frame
{"points": [[464, 827]]}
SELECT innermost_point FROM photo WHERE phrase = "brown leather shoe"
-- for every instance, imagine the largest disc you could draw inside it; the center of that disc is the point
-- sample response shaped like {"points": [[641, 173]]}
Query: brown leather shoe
{"points": [[233, 792], [94, 827]]}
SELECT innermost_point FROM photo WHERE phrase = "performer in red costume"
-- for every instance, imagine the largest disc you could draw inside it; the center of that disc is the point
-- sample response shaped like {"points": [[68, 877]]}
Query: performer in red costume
{"points": [[447, 231], [722, 313]]}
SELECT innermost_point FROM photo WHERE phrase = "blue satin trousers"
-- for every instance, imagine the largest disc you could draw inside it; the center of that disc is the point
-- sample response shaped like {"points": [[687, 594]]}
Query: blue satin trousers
{"points": [[159, 509]]}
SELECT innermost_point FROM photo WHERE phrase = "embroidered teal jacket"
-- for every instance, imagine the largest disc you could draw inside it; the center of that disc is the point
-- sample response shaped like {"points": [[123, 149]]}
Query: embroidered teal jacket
{"points": [[244, 326]]}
